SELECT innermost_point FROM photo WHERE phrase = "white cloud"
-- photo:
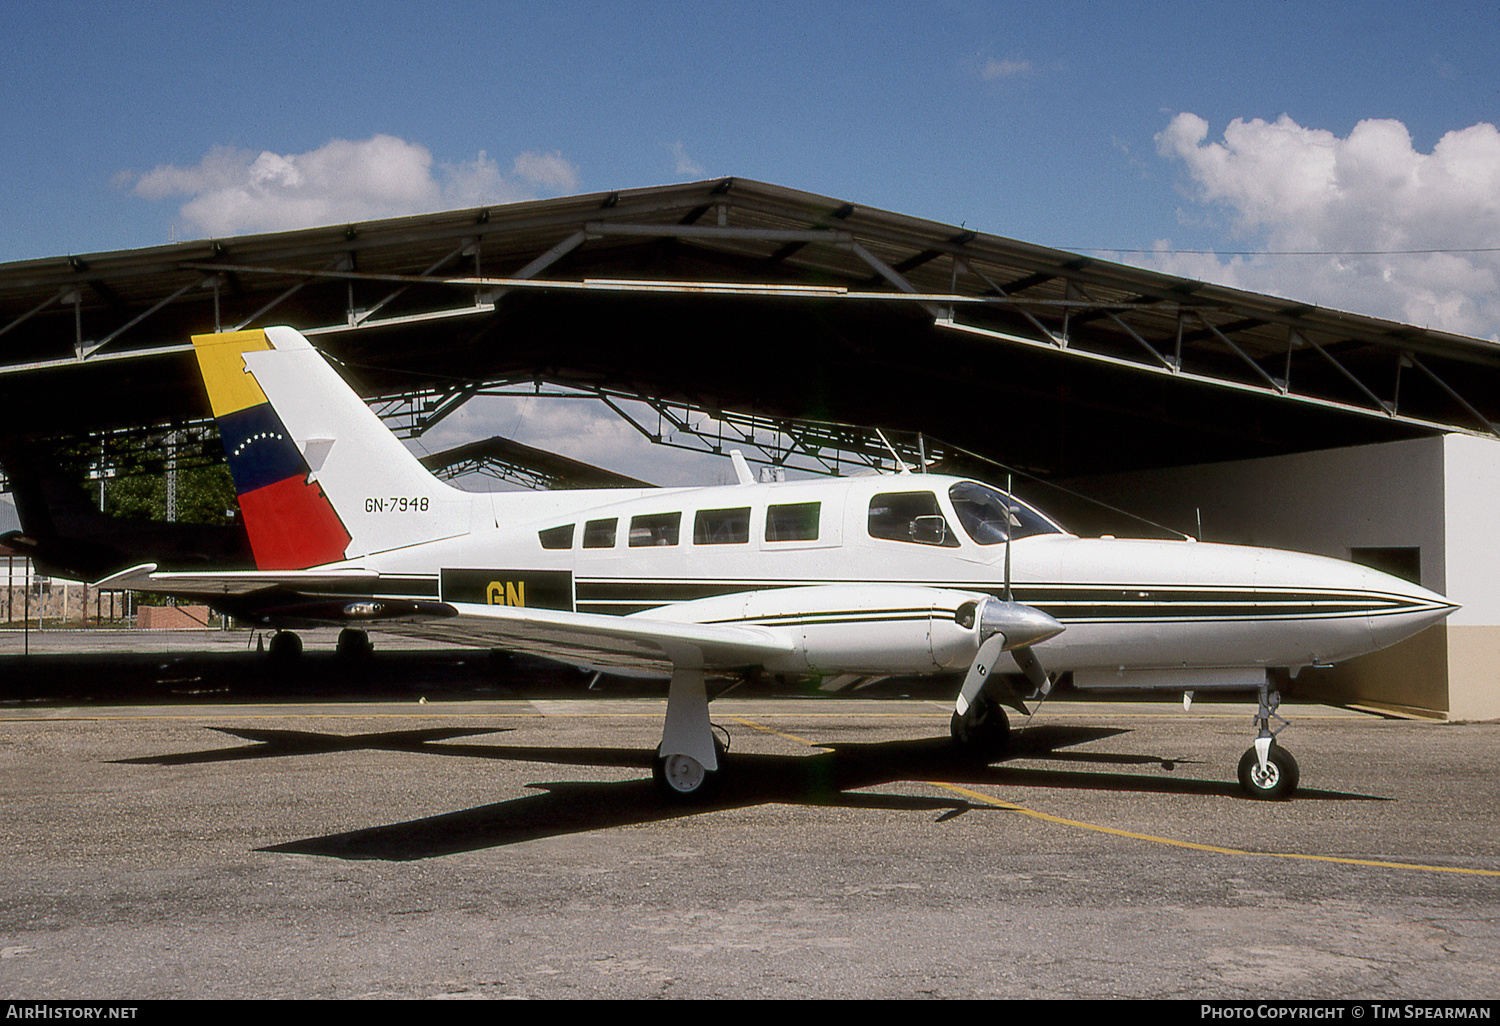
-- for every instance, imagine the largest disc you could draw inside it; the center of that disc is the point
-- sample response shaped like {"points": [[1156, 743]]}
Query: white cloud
{"points": [[682, 163], [1364, 203], [233, 190], [547, 171], [995, 68], [581, 429]]}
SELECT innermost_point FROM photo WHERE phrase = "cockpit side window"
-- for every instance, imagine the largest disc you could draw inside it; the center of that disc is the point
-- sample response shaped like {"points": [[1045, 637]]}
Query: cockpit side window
{"points": [[990, 516], [910, 517]]}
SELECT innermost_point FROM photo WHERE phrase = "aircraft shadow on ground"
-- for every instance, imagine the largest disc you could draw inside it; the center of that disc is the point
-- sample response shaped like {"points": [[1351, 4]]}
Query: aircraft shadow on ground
{"points": [[836, 777]]}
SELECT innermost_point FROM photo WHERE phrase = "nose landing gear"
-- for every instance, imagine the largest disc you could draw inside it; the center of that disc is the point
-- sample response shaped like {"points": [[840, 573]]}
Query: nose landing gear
{"points": [[1267, 770]]}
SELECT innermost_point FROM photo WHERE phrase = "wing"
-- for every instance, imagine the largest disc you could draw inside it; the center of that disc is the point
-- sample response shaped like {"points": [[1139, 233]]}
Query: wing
{"points": [[633, 643]]}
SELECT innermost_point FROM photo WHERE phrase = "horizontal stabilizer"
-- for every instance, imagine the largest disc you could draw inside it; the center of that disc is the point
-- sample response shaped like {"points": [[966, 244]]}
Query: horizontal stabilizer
{"points": [[229, 582]]}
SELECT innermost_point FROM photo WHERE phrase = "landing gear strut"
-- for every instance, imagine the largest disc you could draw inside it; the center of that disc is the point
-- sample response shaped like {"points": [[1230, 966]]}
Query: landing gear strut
{"points": [[1267, 770]]}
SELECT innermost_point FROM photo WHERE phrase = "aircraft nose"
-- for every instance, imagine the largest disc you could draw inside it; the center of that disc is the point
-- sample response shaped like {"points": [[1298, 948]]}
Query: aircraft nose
{"points": [[1398, 608], [1345, 610]]}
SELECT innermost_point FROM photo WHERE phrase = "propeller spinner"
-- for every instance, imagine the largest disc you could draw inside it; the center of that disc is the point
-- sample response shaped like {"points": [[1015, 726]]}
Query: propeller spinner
{"points": [[1007, 626]]}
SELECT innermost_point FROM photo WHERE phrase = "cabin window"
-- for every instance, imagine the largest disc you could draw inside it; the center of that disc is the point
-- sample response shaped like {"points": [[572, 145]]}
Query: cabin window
{"points": [[722, 526], [654, 529], [558, 537], [599, 534], [990, 516], [910, 517], [792, 521]]}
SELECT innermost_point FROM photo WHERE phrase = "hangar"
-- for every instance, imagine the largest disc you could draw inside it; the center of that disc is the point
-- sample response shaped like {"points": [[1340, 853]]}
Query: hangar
{"points": [[793, 325]]}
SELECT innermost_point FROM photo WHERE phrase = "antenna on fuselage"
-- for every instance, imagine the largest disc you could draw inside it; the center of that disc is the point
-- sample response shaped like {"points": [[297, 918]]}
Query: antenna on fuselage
{"points": [[901, 468], [741, 467]]}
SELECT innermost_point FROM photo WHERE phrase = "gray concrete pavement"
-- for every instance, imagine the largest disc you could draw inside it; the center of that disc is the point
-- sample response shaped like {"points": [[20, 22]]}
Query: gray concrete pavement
{"points": [[513, 847]]}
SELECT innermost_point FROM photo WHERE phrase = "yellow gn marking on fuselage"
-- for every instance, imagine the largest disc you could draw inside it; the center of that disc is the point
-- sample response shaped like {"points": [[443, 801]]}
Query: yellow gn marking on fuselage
{"points": [[506, 593]]}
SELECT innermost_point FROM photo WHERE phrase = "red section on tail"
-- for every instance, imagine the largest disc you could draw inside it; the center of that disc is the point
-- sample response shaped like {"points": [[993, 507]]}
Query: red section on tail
{"points": [[292, 526]]}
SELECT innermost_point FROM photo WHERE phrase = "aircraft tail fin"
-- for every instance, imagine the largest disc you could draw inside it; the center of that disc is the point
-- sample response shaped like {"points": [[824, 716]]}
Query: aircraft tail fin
{"points": [[319, 477]]}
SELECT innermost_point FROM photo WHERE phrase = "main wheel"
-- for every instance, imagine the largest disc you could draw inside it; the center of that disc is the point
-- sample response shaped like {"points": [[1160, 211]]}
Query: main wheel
{"points": [[1277, 780], [682, 778], [353, 643], [285, 647], [982, 733]]}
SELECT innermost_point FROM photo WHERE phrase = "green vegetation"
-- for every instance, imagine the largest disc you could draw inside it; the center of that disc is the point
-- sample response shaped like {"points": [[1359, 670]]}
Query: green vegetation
{"points": [[204, 495]]}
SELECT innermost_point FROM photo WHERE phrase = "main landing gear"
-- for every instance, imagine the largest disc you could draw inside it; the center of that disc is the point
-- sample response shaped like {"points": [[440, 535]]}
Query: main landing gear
{"points": [[353, 644], [286, 647], [687, 767], [982, 733], [1267, 770], [682, 778]]}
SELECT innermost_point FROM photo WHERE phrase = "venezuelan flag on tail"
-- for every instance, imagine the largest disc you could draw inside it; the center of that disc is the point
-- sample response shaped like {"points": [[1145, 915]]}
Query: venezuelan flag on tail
{"points": [[291, 523]]}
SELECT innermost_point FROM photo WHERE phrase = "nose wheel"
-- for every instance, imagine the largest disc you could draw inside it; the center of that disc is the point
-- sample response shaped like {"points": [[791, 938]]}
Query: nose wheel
{"points": [[1276, 779]]}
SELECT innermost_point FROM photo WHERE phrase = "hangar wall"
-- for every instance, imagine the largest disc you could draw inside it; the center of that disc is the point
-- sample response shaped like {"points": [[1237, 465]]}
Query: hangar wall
{"points": [[1472, 500], [1424, 507]]}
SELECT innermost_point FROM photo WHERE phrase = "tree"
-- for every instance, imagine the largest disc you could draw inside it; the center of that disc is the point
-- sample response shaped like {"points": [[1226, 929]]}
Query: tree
{"points": [[205, 495]]}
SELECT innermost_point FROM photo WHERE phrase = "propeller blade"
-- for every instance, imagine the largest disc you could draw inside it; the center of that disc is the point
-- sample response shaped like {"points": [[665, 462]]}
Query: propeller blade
{"points": [[1032, 666], [979, 672]]}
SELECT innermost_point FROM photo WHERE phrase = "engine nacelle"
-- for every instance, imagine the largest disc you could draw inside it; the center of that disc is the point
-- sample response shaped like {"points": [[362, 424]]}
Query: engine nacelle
{"points": [[844, 628]]}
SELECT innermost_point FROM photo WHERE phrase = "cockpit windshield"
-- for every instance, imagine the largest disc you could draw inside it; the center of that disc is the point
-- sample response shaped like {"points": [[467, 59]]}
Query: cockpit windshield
{"points": [[990, 516]]}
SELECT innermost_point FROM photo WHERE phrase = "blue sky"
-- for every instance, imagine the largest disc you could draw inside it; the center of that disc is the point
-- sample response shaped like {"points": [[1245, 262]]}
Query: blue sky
{"points": [[1035, 121], [889, 104], [1199, 132]]}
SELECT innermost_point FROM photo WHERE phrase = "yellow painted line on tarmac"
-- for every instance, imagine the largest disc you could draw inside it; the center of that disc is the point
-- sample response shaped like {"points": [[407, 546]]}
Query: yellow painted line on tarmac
{"points": [[1079, 824], [776, 733]]}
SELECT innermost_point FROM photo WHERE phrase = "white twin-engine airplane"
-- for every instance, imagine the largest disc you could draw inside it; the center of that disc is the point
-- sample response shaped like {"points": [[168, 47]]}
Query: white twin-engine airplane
{"points": [[903, 574]]}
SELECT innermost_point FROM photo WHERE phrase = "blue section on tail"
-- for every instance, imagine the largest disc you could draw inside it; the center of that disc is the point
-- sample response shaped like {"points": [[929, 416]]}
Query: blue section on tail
{"points": [[260, 451]]}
